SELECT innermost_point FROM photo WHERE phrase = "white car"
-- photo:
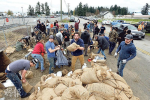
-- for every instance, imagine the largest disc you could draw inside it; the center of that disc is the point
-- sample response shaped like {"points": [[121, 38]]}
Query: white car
{"points": [[106, 22]]}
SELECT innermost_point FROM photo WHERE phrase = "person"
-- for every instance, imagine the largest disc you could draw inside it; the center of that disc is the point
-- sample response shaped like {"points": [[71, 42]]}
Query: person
{"points": [[48, 27], [66, 26], [77, 25], [102, 44], [78, 53], [26, 40], [57, 27], [55, 22], [129, 32], [51, 48], [102, 29], [127, 51], [91, 25], [43, 29], [12, 72], [121, 36], [72, 31], [141, 27], [19, 45], [113, 36], [85, 36], [66, 36], [88, 26], [37, 34], [37, 53], [38, 25], [85, 25], [95, 30], [107, 38], [59, 36]]}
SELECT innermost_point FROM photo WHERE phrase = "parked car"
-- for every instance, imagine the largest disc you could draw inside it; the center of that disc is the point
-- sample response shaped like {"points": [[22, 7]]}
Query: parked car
{"points": [[72, 19], [118, 21], [146, 24], [106, 22], [136, 34]]}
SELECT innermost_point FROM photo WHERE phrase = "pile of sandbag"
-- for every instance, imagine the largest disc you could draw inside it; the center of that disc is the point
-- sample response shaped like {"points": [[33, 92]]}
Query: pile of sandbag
{"points": [[72, 47], [96, 83]]}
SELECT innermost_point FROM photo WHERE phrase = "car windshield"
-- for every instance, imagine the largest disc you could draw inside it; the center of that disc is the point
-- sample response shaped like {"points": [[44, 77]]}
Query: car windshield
{"points": [[131, 27]]}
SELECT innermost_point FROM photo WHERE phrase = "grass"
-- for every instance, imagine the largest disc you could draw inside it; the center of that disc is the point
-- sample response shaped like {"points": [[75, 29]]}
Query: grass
{"points": [[148, 34], [65, 20]]}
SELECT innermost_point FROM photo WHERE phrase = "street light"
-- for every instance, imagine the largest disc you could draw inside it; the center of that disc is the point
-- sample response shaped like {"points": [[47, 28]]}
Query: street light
{"points": [[22, 13]]}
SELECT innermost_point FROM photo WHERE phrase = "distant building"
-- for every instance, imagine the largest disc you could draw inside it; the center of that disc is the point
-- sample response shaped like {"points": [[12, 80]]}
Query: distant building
{"points": [[107, 15], [3, 13], [137, 13]]}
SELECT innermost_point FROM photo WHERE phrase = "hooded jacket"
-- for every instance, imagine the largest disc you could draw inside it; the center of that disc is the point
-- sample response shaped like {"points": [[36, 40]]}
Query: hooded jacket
{"points": [[85, 36], [102, 42]]}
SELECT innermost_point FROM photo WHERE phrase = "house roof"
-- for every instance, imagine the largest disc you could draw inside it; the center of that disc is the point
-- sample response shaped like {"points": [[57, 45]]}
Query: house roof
{"points": [[104, 13]]}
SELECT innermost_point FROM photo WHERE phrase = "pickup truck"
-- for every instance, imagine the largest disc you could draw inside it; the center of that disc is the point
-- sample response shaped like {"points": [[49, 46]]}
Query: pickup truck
{"points": [[118, 21], [146, 24]]}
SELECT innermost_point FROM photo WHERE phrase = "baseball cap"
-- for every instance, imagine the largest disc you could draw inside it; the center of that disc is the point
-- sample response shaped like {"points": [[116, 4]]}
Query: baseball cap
{"points": [[35, 61], [129, 36], [51, 37]]}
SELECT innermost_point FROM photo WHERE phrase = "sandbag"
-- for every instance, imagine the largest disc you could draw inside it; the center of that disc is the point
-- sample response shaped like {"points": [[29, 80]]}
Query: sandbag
{"points": [[77, 92], [29, 74], [37, 85], [95, 43], [64, 72], [103, 74], [72, 47], [2, 86], [134, 98], [88, 50], [92, 55], [75, 82], [48, 94], [53, 82], [102, 90], [32, 96], [121, 95], [89, 76], [60, 89], [10, 50], [65, 81], [27, 87], [57, 98], [92, 97], [97, 63], [78, 72]]}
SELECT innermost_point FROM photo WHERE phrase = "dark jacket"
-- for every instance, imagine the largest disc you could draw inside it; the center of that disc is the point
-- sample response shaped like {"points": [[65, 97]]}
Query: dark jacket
{"points": [[39, 26], [66, 36], [43, 28], [96, 30], [85, 36], [102, 42], [122, 35], [85, 25], [113, 36]]}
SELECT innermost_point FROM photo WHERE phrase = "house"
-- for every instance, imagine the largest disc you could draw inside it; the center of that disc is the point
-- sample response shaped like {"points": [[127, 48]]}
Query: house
{"points": [[3, 13], [107, 15]]}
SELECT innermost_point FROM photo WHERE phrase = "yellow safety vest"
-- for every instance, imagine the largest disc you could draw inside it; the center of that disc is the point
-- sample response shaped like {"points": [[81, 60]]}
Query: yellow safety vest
{"points": [[140, 27]]}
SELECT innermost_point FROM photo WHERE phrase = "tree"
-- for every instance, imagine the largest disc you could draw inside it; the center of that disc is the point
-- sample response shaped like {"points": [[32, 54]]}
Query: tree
{"points": [[47, 10], [144, 10], [38, 8], [42, 8], [71, 12], [80, 10], [97, 12], [9, 12], [30, 11]]}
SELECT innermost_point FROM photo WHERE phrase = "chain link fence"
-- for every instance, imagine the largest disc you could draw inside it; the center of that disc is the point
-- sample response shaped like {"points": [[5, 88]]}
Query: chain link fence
{"points": [[15, 29]]}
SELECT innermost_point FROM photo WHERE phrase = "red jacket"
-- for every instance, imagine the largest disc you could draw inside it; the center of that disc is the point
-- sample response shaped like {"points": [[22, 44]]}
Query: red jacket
{"points": [[38, 49], [77, 25]]}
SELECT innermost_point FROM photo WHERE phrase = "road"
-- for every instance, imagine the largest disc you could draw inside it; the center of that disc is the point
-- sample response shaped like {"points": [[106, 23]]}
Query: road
{"points": [[137, 71]]}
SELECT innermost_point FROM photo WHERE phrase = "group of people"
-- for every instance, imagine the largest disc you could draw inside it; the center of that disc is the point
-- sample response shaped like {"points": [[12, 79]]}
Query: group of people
{"points": [[126, 49]]}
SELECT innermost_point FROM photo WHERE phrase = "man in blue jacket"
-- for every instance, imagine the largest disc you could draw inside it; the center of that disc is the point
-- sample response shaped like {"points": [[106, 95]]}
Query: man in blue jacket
{"points": [[127, 51]]}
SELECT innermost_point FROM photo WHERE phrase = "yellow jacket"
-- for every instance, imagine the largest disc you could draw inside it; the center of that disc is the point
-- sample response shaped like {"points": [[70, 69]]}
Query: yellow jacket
{"points": [[140, 27]]}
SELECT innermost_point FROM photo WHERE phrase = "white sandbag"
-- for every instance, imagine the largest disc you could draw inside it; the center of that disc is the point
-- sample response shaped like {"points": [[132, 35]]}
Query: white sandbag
{"points": [[84, 66], [59, 73], [69, 74]]}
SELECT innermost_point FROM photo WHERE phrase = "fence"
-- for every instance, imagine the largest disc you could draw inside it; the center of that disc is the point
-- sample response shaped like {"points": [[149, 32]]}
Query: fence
{"points": [[15, 29]]}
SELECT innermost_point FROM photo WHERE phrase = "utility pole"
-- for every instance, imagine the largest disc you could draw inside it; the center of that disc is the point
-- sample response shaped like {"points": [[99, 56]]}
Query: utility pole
{"points": [[61, 9], [68, 10], [22, 13]]}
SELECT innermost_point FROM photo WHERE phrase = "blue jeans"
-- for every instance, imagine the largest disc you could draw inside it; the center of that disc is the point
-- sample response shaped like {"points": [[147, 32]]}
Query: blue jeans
{"points": [[41, 60], [51, 68], [48, 30], [111, 46], [76, 30], [102, 51], [120, 66], [16, 81]]}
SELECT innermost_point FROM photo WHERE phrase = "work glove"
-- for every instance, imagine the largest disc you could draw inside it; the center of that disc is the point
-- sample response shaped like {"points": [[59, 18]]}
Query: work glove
{"points": [[115, 54], [124, 61]]}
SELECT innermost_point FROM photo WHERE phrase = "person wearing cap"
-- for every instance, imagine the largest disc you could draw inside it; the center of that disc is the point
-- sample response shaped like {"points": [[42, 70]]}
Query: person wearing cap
{"points": [[77, 25], [113, 36], [12, 72], [78, 52], [66, 36], [127, 51], [85, 36], [121, 36], [102, 29], [59, 36], [38, 52], [51, 48], [128, 32], [102, 44]]}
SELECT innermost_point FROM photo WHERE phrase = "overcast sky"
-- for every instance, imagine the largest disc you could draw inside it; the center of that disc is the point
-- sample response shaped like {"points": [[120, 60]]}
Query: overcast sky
{"points": [[15, 5]]}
